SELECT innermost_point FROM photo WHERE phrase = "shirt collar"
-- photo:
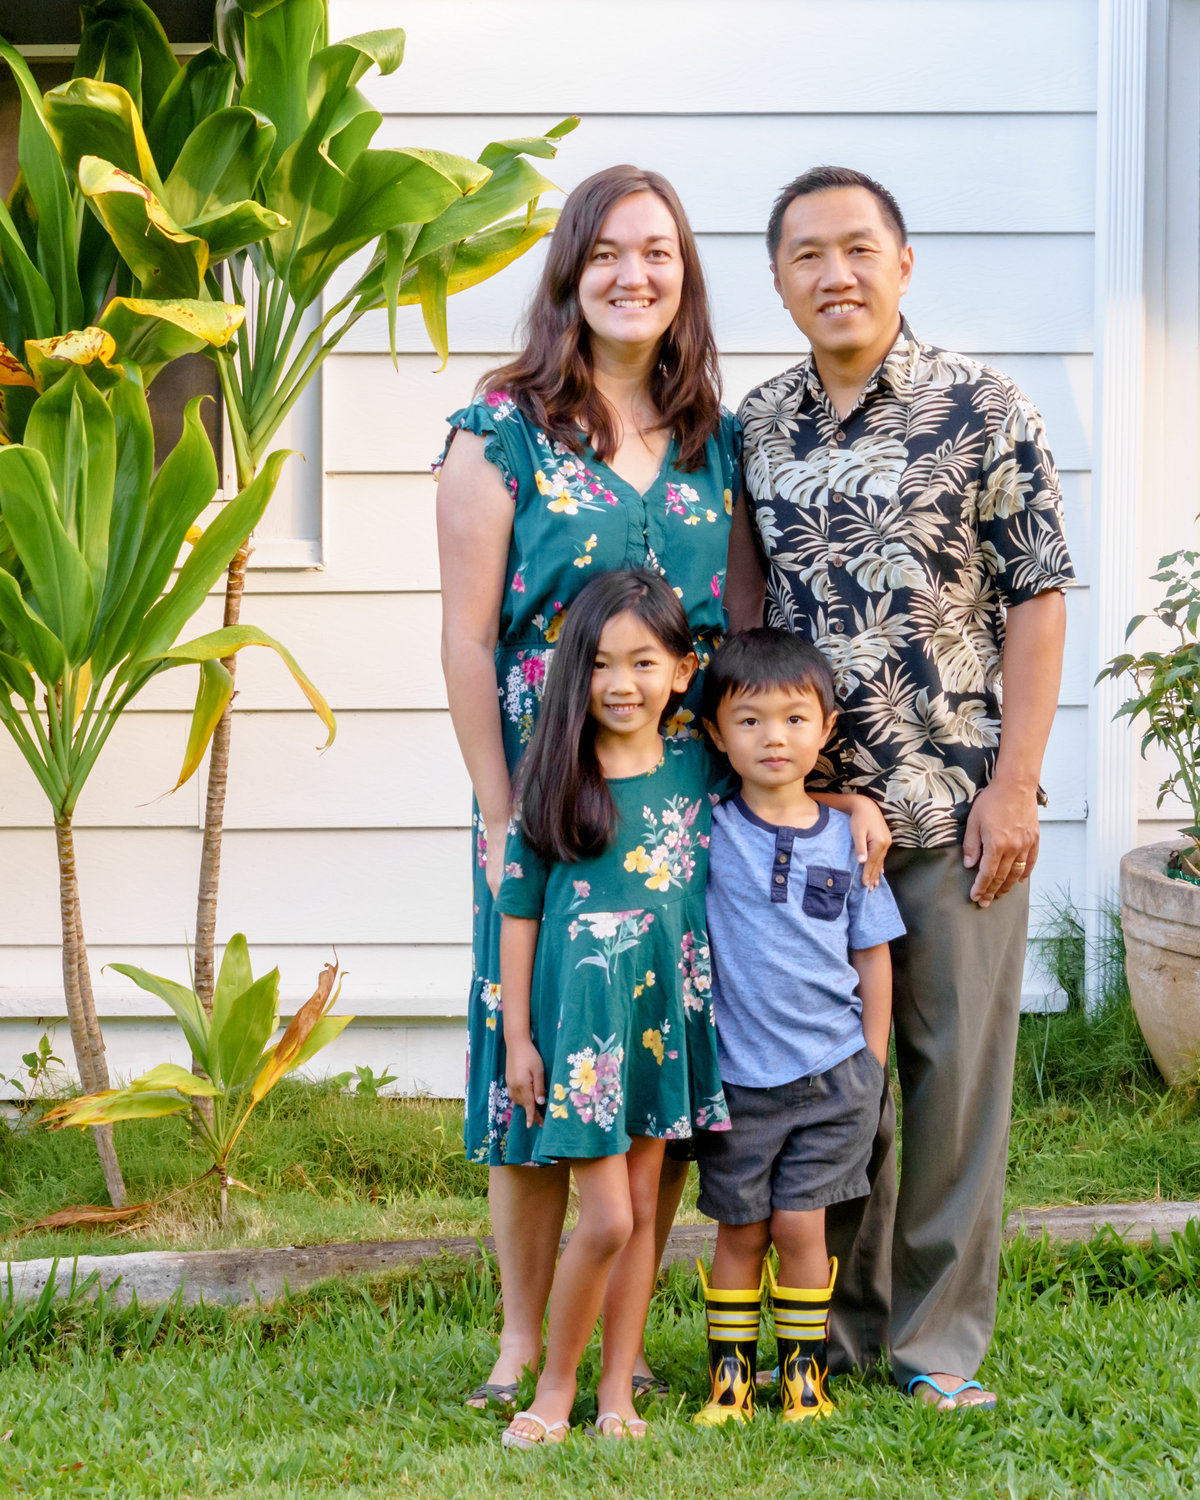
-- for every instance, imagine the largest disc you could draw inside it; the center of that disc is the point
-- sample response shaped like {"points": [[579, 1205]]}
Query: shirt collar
{"points": [[897, 371]]}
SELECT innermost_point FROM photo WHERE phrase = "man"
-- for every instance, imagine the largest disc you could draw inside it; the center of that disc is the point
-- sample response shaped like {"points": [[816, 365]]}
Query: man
{"points": [[905, 510]]}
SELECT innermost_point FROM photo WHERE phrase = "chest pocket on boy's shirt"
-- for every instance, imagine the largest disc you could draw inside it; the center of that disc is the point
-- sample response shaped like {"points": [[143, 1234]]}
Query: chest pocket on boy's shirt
{"points": [[825, 892]]}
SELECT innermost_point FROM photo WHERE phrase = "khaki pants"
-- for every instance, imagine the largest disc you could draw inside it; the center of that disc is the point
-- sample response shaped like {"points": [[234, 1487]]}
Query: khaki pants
{"points": [[919, 1264]]}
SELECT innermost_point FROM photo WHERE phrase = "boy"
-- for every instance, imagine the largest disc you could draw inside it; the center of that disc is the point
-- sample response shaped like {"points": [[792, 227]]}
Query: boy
{"points": [[802, 997]]}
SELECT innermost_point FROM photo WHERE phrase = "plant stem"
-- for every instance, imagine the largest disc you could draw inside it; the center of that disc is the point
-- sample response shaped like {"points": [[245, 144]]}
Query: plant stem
{"points": [[81, 1007], [214, 802]]}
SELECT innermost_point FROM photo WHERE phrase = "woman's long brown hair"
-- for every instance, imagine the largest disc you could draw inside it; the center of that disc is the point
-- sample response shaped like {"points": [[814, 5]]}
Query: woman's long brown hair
{"points": [[551, 379]]}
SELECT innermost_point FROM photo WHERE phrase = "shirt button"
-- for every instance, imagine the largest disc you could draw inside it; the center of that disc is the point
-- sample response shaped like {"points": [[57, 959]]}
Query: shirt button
{"points": [[837, 627], [839, 436], [783, 859], [829, 883], [779, 880], [836, 560]]}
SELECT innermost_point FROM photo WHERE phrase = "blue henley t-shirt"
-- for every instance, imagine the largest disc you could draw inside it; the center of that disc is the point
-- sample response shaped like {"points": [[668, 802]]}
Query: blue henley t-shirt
{"points": [[785, 908]]}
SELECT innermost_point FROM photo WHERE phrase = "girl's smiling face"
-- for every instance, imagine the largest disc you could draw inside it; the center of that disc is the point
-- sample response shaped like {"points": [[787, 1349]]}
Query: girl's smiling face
{"points": [[633, 679]]}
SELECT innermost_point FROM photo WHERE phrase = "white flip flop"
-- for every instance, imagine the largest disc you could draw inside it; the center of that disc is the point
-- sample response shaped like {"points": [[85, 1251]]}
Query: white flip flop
{"points": [[523, 1440]]}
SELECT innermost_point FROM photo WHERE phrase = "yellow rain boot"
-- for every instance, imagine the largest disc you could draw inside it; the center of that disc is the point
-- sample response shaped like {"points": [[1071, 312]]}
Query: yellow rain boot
{"points": [[732, 1319], [801, 1331]]}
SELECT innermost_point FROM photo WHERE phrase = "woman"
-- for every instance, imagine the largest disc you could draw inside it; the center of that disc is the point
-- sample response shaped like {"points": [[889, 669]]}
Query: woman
{"points": [[602, 445]]}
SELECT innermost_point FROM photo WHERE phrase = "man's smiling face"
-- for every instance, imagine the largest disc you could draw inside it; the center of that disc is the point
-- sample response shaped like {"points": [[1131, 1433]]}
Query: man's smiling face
{"points": [[841, 271]]}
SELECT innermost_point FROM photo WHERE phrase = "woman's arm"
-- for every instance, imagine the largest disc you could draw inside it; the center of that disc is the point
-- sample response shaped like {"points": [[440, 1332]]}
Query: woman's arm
{"points": [[745, 581], [868, 828], [874, 969], [474, 524], [524, 1074]]}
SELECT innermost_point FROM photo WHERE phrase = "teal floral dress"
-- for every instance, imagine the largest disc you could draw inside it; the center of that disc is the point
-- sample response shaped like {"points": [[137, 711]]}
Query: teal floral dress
{"points": [[575, 517], [621, 1004]]}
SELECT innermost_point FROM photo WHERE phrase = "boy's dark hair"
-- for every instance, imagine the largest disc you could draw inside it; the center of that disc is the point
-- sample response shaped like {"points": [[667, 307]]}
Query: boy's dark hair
{"points": [[753, 661], [821, 180], [567, 811]]}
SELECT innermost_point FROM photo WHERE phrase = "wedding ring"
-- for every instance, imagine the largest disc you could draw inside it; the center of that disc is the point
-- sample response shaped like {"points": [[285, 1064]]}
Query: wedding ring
{"points": [[1018, 864]]}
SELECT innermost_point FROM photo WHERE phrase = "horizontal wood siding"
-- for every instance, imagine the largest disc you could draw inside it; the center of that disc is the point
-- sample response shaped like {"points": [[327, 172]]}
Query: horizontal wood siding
{"points": [[979, 114]]}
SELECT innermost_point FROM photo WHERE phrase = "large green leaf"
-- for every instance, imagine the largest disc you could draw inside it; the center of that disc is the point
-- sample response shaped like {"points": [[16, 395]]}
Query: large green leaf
{"points": [[151, 332], [509, 188], [219, 165], [124, 41], [30, 312], [183, 486], [172, 1076], [278, 44], [50, 195], [232, 638], [15, 677], [381, 189], [116, 1105], [247, 1028], [39, 646], [134, 437], [58, 575], [499, 153], [72, 427], [212, 695], [232, 229], [209, 558], [234, 977], [203, 86], [433, 279], [87, 118], [166, 259], [183, 1002]]}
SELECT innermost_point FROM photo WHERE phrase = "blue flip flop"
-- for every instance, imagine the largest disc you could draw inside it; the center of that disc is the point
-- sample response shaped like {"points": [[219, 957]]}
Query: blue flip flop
{"points": [[967, 1385]]}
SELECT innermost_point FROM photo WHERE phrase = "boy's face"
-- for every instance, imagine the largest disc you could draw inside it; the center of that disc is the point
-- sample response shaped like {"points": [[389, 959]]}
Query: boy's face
{"points": [[772, 736]]}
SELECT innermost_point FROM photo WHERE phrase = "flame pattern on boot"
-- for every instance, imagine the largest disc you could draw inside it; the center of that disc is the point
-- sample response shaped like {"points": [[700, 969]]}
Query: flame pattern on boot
{"points": [[801, 1332], [732, 1319]]}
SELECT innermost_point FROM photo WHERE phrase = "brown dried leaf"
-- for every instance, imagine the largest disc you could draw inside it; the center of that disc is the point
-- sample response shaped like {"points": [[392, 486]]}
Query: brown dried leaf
{"points": [[295, 1036], [83, 1214]]}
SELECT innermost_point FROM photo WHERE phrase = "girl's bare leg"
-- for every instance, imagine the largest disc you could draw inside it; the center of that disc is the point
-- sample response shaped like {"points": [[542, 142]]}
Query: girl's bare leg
{"points": [[605, 1224], [670, 1190], [632, 1280], [527, 1207]]}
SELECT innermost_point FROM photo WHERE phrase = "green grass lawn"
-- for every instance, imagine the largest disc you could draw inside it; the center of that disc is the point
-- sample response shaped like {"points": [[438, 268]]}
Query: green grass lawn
{"points": [[355, 1390]]}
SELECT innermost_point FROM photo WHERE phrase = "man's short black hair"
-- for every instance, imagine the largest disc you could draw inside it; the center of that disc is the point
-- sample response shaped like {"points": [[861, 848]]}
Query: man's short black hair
{"points": [[821, 180], [754, 661]]}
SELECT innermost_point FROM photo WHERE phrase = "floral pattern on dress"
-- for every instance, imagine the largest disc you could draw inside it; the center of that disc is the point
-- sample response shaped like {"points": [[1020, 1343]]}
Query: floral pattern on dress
{"points": [[595, 1082], [522, 691], [670, 859], [613, 931], [695, 964]]}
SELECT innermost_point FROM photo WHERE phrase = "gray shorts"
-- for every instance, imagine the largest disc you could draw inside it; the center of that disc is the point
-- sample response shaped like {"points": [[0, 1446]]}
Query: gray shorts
{"points": [[795, 1146]]}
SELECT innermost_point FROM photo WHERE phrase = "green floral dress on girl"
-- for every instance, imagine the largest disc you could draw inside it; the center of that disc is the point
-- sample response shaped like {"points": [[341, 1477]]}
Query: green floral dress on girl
{"points": [[621, 1005], [574, 517]]}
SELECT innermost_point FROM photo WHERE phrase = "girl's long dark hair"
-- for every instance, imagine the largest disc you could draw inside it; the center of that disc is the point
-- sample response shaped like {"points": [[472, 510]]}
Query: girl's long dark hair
{"points": [[551, 379], [567, 811]]}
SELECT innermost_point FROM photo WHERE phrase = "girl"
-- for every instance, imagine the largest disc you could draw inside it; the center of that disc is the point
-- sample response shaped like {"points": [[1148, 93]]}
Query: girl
{"points": [[605, 970]]}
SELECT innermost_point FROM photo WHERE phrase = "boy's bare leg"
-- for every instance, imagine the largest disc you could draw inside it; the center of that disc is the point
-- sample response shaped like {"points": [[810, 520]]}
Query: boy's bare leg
{"points": [[799, 1240], [738, 1259]]}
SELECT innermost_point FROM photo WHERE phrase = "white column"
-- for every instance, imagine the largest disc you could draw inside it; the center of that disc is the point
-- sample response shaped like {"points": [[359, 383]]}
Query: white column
{"points": [[1119, 430]]}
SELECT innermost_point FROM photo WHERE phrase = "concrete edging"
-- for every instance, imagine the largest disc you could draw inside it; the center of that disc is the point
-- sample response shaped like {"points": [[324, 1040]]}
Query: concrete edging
{"points": [[234, 1276]]}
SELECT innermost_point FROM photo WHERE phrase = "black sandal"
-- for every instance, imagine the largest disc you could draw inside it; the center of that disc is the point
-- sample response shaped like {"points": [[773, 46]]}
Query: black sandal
{"points": [[487, 1394], [649, 1385]]}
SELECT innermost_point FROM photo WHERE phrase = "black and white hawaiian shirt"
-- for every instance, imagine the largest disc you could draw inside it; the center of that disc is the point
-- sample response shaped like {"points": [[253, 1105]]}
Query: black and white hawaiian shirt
{"points": [[894, 539]]}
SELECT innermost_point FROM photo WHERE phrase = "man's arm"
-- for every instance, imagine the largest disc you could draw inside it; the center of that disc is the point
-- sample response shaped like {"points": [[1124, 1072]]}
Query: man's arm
{"points": [[1002, 827], [745, 581]]}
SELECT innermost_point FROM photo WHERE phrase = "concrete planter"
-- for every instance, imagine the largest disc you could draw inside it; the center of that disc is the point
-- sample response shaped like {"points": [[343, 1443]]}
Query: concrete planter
{"points": [[1161, 922]]}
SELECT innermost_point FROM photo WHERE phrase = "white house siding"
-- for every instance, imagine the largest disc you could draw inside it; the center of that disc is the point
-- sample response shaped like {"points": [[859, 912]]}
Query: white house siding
{"points": [[980, 114]]}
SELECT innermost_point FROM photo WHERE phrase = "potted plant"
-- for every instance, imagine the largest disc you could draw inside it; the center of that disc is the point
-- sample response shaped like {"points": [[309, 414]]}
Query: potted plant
{"points": [[1160, 884]]}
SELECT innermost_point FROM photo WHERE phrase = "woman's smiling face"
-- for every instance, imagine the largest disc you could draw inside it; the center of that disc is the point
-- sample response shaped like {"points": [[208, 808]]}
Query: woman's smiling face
{"points": [[630, 288]]}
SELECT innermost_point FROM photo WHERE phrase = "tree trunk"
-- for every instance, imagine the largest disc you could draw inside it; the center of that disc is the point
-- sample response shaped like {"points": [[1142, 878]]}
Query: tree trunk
{"points": [[214, 805], [81, 1006]]}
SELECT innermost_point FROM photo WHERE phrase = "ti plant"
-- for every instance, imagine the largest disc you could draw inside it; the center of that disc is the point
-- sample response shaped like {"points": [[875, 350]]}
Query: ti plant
{"points": [[90, 612], [231, 1045], [1167, 692]]}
